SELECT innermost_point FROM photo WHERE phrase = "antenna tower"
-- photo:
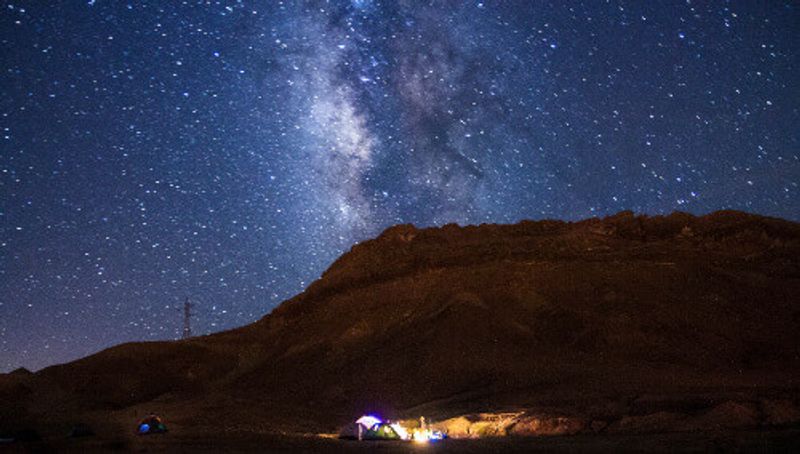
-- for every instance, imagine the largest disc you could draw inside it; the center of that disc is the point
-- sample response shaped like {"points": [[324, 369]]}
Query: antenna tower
{"points": [[187, 319]]}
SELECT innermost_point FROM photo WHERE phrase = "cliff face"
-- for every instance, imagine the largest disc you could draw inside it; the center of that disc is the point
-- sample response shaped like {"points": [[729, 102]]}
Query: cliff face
{"points": [[598, 320]]}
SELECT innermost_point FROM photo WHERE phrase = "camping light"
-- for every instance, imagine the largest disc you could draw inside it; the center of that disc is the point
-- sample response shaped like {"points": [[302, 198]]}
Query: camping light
{"points": [[401, 431], [420, 436], [373, 428], [368, 421], [426, 435]]}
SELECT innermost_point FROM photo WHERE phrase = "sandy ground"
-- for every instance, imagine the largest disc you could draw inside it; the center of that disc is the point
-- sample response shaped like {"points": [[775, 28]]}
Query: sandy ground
{"points": [[784, 440]]}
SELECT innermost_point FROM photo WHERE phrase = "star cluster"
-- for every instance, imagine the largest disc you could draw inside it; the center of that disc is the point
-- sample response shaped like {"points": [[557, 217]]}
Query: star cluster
{"points": [[230, 151]]}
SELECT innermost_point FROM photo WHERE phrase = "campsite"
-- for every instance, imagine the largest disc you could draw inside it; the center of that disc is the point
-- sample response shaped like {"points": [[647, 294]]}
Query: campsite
{"points": [[531, 336]]}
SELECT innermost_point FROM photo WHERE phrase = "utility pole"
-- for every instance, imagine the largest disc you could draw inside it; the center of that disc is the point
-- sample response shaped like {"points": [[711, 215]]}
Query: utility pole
{"points": [[187, 319]]}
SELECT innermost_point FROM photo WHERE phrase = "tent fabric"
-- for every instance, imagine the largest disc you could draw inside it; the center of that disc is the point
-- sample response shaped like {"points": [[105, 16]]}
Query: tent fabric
{"points": [[382, 431], [151, 424], [371, 428], [352, 431]]}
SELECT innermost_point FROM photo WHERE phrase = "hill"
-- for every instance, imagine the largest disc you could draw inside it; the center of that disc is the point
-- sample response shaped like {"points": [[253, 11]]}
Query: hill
{"points": [[625, 324]]}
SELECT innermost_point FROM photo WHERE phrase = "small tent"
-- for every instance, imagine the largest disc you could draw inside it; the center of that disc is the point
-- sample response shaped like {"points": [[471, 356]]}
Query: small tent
{"points": [[358, 428], [385, 431], [372, 428], [151, 424]]}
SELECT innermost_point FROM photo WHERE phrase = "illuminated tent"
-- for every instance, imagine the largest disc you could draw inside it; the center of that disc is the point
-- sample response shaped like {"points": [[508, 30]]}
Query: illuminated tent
{"points": [[358, 428], [372, 428], [385, 431], [151, 424]]}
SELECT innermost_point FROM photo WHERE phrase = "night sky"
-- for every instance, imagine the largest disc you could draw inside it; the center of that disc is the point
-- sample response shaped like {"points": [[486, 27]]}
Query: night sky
{"points": [[230, 151]]}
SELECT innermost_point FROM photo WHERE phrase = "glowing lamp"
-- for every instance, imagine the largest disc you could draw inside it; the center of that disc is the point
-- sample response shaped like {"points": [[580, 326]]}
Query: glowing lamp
{"points": [[368, 421]]}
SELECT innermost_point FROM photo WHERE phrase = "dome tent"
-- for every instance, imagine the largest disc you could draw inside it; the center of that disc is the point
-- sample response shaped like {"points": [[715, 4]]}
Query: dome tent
{"points": [[372, 428], [151, 424], [385, 431], [358, 428]]}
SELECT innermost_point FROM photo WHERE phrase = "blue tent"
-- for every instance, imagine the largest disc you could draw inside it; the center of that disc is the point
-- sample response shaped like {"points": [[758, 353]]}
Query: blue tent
{"points": [[151, 424]]}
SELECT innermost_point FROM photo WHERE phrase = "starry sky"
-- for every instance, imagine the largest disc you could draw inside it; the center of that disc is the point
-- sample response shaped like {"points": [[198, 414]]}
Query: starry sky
{"points": [[229, 151]]}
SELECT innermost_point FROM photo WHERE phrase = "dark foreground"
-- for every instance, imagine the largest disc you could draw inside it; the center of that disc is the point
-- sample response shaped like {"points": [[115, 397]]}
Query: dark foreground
{"points": [[783, 440]]}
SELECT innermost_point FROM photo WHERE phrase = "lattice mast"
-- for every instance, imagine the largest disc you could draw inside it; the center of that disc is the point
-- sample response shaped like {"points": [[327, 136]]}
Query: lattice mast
{"points": [[187, 319]]}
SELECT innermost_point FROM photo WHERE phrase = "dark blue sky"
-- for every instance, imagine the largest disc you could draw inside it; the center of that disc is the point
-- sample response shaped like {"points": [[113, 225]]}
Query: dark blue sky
{"points": [[230, 151]]}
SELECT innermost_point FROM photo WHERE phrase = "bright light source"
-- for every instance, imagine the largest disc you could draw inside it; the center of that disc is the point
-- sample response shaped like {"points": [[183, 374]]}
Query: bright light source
{"points": [[401, 431], [368, 421], [419, 435], [426, 435]]}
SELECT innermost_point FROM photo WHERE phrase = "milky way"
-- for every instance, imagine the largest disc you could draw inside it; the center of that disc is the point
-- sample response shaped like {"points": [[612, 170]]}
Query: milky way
{"points": [[230, 151]]}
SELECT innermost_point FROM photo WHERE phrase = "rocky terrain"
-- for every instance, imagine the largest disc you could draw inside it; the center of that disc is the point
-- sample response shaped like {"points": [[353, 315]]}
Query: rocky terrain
{"points": [[615, 327]]}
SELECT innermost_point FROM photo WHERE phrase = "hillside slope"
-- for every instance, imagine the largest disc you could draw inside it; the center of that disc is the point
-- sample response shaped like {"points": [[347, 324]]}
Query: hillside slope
{"points": [[601, 320]]}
